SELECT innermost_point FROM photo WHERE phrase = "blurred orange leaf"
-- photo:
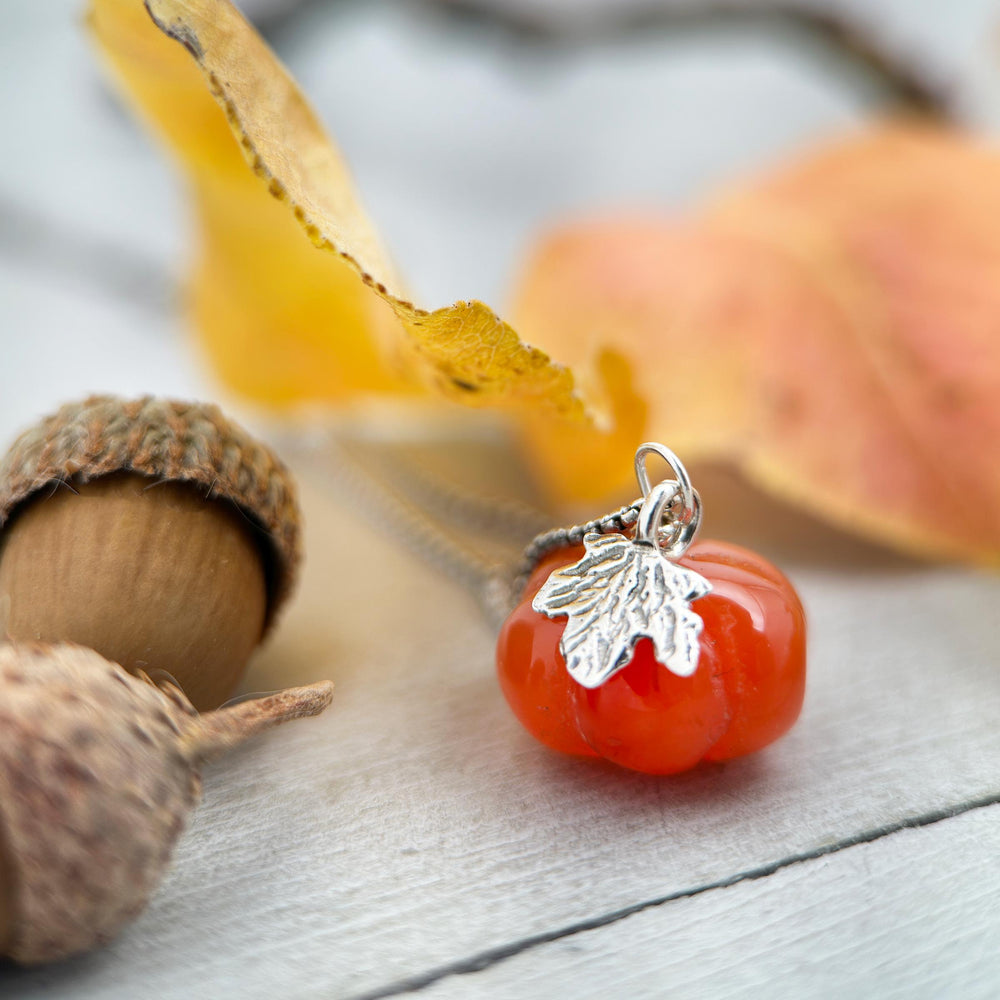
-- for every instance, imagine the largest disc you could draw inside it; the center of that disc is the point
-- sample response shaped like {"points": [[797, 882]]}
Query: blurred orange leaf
{"points": [[834, 330]]}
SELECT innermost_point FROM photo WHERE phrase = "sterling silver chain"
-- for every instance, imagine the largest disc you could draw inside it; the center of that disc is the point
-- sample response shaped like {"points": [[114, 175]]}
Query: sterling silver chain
{"points": [[425, 512]]}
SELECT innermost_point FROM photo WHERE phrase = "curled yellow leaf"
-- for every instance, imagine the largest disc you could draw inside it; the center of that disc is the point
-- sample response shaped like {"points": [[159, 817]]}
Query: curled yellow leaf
{"points": [[281, 322]]}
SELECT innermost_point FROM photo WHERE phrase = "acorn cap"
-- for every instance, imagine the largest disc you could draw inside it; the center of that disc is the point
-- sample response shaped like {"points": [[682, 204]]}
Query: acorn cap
{"points": [[165, 440]]}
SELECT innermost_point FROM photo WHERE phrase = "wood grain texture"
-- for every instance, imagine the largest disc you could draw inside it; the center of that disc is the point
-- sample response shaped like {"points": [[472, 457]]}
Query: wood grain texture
{"points": [[415, 824], [913, 915]]}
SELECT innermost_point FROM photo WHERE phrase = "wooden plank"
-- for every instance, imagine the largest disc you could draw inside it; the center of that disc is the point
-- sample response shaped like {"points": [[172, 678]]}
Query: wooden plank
{"points": [[75, 164], [66, 339], [913, 915], [416, 824]]}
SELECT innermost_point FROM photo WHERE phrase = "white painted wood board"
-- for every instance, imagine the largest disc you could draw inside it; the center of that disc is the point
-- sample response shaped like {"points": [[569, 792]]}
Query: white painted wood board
{"points": [[913, 915], [416, 825]]}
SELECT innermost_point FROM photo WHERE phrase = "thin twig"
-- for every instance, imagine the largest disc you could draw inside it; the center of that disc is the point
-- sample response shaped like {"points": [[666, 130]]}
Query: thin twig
{"points": [[862, 46]]}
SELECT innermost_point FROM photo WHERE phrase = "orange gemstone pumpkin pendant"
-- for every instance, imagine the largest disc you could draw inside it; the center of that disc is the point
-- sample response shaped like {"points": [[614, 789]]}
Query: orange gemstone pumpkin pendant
{"points": [[631, 643]]}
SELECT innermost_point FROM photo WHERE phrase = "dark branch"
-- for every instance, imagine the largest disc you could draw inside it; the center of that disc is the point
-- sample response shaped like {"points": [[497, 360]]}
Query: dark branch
{"points": [[904, 81]]}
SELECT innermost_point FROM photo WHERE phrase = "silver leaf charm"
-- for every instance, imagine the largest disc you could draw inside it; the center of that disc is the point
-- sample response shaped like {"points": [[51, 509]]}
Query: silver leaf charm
{"points": [[621, 591]]}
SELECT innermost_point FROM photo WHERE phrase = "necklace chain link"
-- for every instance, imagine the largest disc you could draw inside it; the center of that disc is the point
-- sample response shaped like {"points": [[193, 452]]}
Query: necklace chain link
{"points": [[420, 523]]}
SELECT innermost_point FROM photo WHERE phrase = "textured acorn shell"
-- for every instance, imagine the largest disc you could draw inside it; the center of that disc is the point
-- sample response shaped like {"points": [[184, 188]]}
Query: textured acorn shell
{"points": [[94, 791], [164, 440], [98, 771]]}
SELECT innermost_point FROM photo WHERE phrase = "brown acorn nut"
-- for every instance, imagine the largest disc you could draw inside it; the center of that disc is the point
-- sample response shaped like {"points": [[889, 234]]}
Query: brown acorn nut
{"points": [[158, 533], [98, 770]]}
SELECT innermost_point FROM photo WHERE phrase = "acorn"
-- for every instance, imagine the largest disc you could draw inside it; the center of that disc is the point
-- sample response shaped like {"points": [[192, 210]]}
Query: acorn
{"points": [[98, 771], [156, 532]]}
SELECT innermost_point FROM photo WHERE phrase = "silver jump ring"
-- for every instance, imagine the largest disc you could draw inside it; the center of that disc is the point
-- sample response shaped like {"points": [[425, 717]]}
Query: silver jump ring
{"points": [[676, 467], [649, 527], [684, 526]]}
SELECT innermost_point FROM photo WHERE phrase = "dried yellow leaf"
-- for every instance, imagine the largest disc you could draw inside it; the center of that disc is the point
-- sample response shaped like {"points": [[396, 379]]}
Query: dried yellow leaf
{"points": [[281, 322]]}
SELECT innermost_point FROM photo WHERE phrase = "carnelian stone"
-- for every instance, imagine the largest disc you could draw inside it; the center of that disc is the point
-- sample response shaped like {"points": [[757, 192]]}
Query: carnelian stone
{"points": [[532, 672], [746, 691]]}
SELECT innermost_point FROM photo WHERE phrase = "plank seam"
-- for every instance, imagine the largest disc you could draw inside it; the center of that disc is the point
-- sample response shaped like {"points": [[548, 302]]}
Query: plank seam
{"points": [[121, 272], [493, 956]]}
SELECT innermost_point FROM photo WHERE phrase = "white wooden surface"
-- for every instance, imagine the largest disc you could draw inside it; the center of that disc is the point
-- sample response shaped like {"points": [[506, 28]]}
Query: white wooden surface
{"points": [[415, 833], [913, 915]]}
